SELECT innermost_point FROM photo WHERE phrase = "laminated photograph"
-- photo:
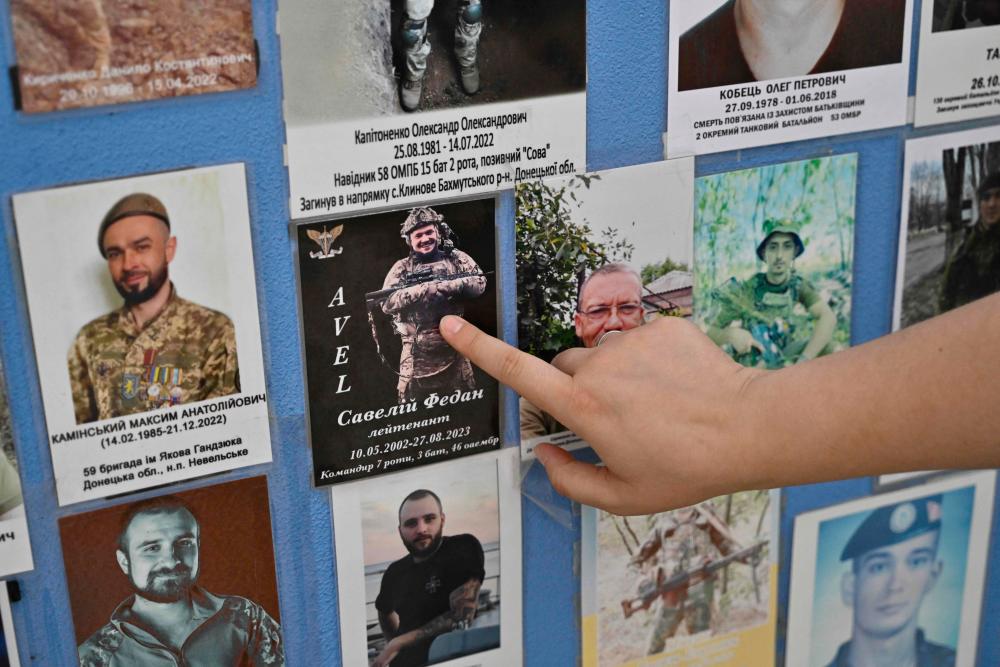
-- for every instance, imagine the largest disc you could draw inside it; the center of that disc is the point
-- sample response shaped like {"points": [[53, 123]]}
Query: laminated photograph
{"points": [[892, 579], [156, 582], [958, 66], [385, 391], [693, 586], [598, 253], [429, 565], [406, 101], [8, 642], [88, 53], [147, 337], [774, 248], [949, 247], [746, 73], [15, 546]]}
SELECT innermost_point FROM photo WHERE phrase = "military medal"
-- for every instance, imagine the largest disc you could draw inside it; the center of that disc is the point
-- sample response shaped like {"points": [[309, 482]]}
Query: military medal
{"points": [[153, 392], [175, 395]]}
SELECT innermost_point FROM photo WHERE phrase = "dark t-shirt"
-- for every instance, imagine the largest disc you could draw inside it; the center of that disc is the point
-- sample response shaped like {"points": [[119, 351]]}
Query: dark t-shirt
{"points": [[929, 654], [870, 33], [418, 592]]}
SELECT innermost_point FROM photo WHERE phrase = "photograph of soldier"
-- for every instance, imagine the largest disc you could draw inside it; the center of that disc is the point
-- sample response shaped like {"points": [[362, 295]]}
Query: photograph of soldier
{"points": [[157, 349], [741, 41], [91, 52], [672, 581], [894, 579], [381, 283], [8, 642], [11, 501], [961, 14], [775, 247], [950, 252], [631, 228], [435, 279], [178, 595], [357, 59]]}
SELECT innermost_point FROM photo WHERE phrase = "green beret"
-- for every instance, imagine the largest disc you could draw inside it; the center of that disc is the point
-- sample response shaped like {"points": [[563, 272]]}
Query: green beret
{"points": [[137, 203], [893, 524]]}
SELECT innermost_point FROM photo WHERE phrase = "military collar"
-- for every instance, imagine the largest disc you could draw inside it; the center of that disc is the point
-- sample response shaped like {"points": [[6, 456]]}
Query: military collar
{"points": [[204, 605], [126, 321]]}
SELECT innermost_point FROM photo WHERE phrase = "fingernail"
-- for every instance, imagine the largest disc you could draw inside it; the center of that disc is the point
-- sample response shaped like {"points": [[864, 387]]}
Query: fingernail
{"points": [[543, 455], [452, 324]]}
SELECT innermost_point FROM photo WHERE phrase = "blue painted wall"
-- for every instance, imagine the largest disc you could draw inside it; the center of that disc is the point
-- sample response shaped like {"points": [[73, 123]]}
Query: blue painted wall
{"points": [[626, 116]]}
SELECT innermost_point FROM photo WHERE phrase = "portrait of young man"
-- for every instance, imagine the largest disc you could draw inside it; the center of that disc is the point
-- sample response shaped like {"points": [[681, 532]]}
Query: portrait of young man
{"points": [[176, 601], [776, 277], [893, 578], [150, 322], [757, 40], [157, 349]]}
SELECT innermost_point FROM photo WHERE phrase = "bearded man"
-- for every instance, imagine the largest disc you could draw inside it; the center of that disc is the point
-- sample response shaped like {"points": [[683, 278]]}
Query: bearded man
{"points": [[170, 620], [433, 590], [158, 349]]}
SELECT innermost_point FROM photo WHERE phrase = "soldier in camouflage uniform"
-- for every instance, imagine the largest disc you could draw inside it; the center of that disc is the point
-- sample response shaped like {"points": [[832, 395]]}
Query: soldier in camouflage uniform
{"points": [[427, 363], [752, 316], [685, 540], [468, 27], [158, 349], [974, 270]]}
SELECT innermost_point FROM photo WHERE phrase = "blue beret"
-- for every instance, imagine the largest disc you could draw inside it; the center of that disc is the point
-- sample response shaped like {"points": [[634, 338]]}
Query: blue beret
{"points": [[893, 524]]}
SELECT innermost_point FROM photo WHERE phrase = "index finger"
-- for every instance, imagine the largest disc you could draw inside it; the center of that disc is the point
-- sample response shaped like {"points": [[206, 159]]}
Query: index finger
{"points": [[543, 384]]}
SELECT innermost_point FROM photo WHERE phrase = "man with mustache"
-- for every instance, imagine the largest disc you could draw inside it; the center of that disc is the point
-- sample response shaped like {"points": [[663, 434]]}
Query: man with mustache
{"points": [[433, 590], [432, 281], [158, 349], [171, 620], [753, 316], [894, 565]]}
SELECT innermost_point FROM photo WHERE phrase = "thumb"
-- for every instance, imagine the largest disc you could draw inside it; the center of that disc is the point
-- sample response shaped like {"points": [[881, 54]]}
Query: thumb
{"points": [[583, 482]]}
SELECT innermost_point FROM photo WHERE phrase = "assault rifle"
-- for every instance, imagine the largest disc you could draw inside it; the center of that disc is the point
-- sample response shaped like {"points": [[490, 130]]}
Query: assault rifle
{"points": [[419, 277], [648, 597]]}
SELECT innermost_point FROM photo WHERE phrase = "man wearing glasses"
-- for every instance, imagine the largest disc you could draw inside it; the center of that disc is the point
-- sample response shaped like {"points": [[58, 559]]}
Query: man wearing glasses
{"points": [[610, 300]]}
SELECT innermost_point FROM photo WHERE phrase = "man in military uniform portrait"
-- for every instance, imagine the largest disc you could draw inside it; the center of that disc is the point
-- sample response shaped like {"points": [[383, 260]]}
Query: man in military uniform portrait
{"points": [[432, 590], [169, 619], [468, 28], [158, 349], [610, 300], [973, 271], [754, 317], [685, 541], [894, 565], [432, 281]]}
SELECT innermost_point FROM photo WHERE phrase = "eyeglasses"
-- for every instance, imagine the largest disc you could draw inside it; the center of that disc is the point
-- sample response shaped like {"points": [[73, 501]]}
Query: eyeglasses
{"points": [[625, 311]]}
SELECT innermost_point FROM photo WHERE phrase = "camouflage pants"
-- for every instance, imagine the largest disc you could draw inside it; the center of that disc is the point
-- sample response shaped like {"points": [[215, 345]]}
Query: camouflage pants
{"points": [[695, 612], [456, 376], [466, 36]]}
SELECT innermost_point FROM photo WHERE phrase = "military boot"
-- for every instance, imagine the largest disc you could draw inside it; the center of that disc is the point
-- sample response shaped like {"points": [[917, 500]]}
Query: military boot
{"points": [[467, 32]]}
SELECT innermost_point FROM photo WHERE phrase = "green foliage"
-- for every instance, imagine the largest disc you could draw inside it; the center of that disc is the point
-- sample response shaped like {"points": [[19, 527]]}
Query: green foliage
{"points": [[555, 253], [651, 272]]}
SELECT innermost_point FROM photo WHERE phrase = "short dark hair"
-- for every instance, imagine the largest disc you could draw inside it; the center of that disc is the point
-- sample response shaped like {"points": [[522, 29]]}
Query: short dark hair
{"points": [[990, 182], [160, 505], [418, 495]]}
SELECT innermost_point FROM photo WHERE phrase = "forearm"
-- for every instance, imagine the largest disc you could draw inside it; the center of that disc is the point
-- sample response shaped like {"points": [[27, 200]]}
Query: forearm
{"points": [[928, 390], [821, 336]]}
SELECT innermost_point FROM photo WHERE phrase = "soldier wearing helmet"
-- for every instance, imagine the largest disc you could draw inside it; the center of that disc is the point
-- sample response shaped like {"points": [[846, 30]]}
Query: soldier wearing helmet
{"points": [[448, 278], [468, 27], [766, 300], [158, 349]]}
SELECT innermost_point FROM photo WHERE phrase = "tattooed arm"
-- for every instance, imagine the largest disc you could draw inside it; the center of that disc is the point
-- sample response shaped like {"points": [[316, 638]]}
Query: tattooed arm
{"points": [[463, 601]]}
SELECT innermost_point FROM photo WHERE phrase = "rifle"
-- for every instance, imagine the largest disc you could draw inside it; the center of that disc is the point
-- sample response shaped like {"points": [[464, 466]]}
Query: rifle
{"points": [[772, 338], [663, 586], [419, 277]]}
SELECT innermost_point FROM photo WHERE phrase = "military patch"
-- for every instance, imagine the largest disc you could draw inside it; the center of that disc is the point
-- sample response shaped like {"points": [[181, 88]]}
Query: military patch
{"points": [[130, 386], [102, 369], [902, 518], [324, 239]]}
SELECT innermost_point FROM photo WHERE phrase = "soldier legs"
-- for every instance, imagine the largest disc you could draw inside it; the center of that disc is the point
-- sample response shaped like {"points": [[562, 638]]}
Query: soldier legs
{"points": [[698, 607], [668, 619], [468, 27]]}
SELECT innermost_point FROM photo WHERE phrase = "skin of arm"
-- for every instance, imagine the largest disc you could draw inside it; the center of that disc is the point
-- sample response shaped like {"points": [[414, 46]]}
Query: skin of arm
{"points": [[389, 622], [826, 322], [662, 405], [464, 601]]}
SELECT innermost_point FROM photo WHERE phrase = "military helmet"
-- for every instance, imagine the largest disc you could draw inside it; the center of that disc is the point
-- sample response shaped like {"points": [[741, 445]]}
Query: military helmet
{"points": [[893, 524], [772, 227], [419, 217], [137, 203]]}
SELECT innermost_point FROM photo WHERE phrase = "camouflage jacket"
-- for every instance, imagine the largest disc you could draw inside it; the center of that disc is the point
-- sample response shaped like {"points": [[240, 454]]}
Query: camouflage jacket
{"points": [[231, 631], [186, 353], [757, 300], [422, 306], [974, 270]]}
